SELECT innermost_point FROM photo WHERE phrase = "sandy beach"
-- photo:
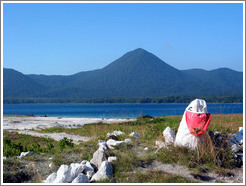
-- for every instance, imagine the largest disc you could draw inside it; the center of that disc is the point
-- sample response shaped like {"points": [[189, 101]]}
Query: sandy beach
{"points": [[26, 125], [36, 123]]}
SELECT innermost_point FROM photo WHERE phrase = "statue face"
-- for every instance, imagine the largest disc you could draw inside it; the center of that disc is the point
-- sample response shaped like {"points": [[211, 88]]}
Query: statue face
{"points": [[197, 122]]}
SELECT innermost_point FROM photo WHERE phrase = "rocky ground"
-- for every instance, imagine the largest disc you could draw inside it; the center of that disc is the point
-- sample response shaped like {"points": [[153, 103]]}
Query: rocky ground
{"points": [[37, 167]]}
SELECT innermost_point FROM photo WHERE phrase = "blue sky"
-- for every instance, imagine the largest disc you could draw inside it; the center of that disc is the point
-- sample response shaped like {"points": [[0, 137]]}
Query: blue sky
{"points": [[63, 39]]}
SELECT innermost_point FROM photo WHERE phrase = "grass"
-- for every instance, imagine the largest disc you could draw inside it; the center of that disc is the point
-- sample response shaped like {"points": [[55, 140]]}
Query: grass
{"points": [[132, 157]]}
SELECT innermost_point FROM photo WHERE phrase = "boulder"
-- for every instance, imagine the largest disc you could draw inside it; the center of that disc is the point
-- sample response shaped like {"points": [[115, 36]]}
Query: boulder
{"points": [[169, 135], [113, 143], [127, 140], [115, 133], [23, 154], [76, 169], [102, 144], [51, 178], [105, 172], [63, 174], [135, 134], [89, 174], [238, 136], [112, 159], [160, 144], [81, 178], [88, 167], [184, 137], [98, 157]]}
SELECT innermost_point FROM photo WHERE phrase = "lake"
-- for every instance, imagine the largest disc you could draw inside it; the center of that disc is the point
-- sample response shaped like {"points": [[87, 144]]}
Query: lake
{"points": [[112, 110]]}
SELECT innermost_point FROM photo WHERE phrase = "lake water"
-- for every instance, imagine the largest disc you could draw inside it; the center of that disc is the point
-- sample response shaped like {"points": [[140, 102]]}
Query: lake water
{"points": [[112, 110]]}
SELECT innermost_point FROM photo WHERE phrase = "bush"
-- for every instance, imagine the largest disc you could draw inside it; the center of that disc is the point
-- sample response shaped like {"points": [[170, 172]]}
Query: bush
{"points": [[11, 149], [65, 142]]}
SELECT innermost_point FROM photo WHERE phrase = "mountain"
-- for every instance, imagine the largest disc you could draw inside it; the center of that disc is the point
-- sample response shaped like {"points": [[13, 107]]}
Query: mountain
{"points": [[138, 73], [18, 85]]}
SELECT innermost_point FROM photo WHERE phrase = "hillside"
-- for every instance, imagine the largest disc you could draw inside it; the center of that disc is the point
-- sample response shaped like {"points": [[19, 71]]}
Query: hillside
{"points": [[138, 73]]}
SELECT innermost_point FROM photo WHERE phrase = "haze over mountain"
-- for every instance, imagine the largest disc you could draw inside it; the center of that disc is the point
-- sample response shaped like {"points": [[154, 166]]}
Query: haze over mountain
{"points": [[138, 73]]}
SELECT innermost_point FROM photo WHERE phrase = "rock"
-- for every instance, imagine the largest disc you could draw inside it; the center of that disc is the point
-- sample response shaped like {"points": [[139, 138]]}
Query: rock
{"points": [[98, 157], [112, 137], [102, 144], [63, 174], [169, 135], [105, 172], [81, 178], [238, 136], [146, 148], [127, 140], [112, 159], [89, 174], [113, 143], [135, 134], [50, 165], [88, 167], [76, 169], [4, 158], [115, 133], [51, 178], [50, 158], [240, 130], [184, 136], [23, 154], [235, 147], [160, 144]]}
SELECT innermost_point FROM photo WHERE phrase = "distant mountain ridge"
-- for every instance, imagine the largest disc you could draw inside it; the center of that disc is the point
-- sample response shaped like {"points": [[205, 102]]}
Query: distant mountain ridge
{"points": [[138, 73]]}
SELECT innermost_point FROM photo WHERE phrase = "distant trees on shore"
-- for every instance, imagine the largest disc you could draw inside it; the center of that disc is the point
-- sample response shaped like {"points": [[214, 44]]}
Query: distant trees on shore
{"points": [[167, 99]]}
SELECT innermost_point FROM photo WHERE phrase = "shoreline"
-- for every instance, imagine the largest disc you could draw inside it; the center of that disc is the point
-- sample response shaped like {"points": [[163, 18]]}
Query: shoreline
{"points": [[38, 122]]}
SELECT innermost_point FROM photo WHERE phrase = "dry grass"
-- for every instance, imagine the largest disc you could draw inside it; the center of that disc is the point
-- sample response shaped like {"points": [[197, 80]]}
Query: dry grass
{"points": [[226, 123]]}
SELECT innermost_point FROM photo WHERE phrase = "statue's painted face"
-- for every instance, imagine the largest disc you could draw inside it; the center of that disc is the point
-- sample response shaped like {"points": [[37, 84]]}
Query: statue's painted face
{"points": [[197, 122]]}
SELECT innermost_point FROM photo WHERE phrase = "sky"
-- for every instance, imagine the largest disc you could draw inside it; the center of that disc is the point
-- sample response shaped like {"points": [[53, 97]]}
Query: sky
{"points": [[67, 38]]}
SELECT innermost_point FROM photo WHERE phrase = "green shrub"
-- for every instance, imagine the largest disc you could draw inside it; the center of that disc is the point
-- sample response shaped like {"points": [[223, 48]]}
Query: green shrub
{"points": [[65, 142]]}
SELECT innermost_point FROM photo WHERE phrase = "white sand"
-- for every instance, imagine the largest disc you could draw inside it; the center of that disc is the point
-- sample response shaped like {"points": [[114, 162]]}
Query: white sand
{"points": [[23, 125], [36, 123]]}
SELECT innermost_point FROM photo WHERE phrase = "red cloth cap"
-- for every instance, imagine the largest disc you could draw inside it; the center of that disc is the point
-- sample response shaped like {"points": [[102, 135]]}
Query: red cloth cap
{"points": [[197, 122]]}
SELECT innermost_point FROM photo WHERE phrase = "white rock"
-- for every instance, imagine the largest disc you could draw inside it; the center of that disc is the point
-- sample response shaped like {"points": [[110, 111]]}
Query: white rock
{"points": [[235, 147], [98, 157], [135, 134], [146, 148], [116, 133], [23, 154], [50, 165], [51, 178], [183, 136], [81, 178], [76, 169], [240, 130], [112, 159], [63, 174], [238, 136], [127, 140], [102, 144], [105, 172], [84, 162], [50, 158], [169, 135], [88, 167], [113, 143], [89, 174], [160, 144], [4, 158]]}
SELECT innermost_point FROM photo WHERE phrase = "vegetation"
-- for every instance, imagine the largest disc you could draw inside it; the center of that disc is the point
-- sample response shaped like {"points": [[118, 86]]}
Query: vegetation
{"points": [[153, 100], [132, 161], [136, 74]]}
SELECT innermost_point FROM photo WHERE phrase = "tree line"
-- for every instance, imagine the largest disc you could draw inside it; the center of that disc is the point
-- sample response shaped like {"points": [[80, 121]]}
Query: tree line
{"points": [[122, 100]]}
